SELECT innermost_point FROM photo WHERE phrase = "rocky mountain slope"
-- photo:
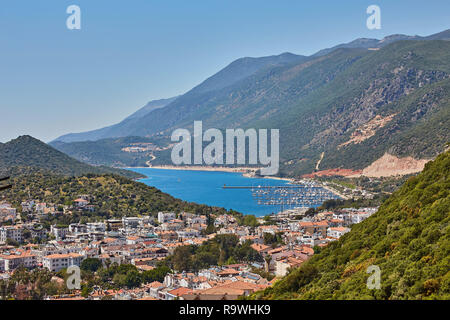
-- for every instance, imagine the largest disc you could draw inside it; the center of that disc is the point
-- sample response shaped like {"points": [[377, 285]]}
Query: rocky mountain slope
{"points": [[351, 104]]}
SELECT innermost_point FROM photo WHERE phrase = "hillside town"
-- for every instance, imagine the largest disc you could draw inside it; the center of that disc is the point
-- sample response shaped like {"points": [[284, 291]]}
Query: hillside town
{"points": [[283, 241]]}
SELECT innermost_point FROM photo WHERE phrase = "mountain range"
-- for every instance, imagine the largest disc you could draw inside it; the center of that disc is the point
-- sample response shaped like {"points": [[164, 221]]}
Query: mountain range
{"points": [[376, 43], [237, 70], [348, 105]]}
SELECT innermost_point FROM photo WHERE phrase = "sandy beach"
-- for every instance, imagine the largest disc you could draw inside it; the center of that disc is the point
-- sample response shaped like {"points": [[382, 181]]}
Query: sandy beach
{"points": [[206, 168], [249, 172]]}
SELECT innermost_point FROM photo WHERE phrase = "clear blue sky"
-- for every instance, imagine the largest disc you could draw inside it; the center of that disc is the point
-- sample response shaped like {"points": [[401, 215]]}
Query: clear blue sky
{"points": [[55, 81]]}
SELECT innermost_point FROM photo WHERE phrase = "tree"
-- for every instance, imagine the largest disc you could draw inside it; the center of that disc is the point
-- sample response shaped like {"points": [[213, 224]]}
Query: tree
{"points": [[85, 290], [91, 264], [26, 234], [156, 274], [12, 242], [119, 280], [231, 260], [249, 220], [273, 239], [267, 260], [133, 279], [182, 258]]}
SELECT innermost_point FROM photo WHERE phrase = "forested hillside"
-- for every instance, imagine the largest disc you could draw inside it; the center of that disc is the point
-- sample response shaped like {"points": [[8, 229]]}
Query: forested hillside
{"points": [[112, 196], [108, 151], [408, 239], [29, 154]]}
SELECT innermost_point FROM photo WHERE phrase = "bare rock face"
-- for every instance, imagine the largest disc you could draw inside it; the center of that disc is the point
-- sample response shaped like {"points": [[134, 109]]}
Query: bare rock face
{"points": [[389, 165]]}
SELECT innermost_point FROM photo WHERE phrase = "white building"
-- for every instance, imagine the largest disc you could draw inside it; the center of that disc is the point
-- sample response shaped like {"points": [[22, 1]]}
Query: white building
{"points": [[359, 216], [56, 262], [10, 232], [81, 202], [337, 232], [166, 216], [59, 232], [78, 228], [14, 259], [282, 266], [188, 233], [96, 227], [27, 206], [131, 222]]}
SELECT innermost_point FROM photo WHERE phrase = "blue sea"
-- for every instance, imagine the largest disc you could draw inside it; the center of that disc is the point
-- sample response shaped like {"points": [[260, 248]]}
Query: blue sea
{"points": [[205, 187]]}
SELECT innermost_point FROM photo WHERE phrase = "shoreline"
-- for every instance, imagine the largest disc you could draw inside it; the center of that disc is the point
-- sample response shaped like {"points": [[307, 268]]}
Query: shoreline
{"points": [[248, 172]]}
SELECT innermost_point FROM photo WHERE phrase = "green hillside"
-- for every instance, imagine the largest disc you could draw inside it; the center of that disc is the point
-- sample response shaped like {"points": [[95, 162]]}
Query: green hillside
{"points": [[113, 196], [407, 80], [30, 155], [42, 173], [107, 151], [408, 238]]}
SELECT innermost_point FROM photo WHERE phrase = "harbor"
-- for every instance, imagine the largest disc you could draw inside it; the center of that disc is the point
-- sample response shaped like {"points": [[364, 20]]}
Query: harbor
{"points": [[288, 196]]}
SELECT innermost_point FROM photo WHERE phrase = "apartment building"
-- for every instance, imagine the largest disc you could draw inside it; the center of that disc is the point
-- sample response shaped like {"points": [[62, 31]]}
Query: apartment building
{"points": [[56, 262], [14, 259], [165, 216], [10, 232]]}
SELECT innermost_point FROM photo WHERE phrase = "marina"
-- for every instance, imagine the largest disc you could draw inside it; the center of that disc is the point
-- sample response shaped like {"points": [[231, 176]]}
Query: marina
{"points": [[288, 196]]}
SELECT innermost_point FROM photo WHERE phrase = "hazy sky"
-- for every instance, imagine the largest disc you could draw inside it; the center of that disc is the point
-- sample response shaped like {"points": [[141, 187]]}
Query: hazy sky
{"points": [[55, 81]]}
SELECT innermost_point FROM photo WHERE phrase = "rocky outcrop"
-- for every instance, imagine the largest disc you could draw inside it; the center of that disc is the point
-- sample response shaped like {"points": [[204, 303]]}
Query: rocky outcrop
{"points": [[389, 165]]}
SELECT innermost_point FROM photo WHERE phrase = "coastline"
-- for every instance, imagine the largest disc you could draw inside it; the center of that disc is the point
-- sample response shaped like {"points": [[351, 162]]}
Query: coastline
{"points": [[206, 168], [248, 172]]}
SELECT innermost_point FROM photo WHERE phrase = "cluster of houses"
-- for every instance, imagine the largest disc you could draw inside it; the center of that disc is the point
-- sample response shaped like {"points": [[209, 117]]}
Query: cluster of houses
{"points": [[144, 241], [216, 283]]}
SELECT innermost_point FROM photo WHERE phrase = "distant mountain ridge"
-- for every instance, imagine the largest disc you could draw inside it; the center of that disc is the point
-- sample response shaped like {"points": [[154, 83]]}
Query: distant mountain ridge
{"points": [[31, 154], [149, 107], [376, 43], [243, 68], [117, 130], [234, 72]]}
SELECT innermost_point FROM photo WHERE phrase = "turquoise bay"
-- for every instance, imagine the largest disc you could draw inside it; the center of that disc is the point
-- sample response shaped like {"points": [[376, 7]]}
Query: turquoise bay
{"points": [[205, 187]]}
